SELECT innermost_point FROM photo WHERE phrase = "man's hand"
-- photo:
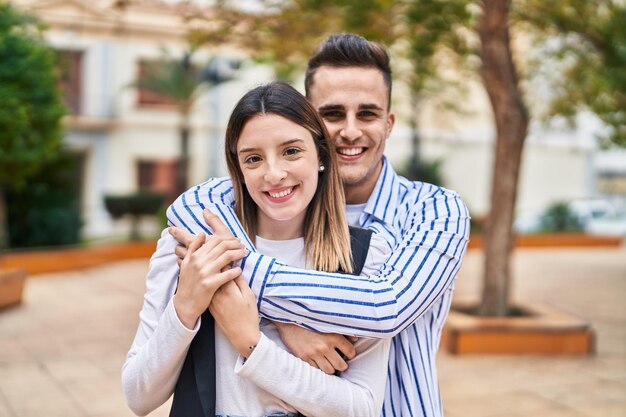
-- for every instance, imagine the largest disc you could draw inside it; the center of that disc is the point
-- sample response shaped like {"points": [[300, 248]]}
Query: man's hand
{"points": [[185, 238], [321, 350]]}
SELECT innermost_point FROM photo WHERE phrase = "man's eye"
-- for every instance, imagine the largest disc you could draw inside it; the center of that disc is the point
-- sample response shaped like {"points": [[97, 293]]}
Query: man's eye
{"points": [[332, 115], [367, 115]]}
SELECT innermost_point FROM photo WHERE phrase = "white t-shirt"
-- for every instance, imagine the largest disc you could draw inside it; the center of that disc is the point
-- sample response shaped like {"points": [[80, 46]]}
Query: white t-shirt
{"points": [[353, 213]]}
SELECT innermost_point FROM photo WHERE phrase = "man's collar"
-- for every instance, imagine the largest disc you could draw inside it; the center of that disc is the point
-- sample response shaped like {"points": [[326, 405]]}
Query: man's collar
{"points": [[386, 191]]}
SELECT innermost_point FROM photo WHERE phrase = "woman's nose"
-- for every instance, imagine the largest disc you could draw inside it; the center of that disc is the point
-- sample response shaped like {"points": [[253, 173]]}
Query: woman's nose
{"points": [[275, 173]]}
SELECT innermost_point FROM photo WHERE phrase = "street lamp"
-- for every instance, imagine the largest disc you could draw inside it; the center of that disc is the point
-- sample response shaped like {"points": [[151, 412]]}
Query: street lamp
{"points": [[218, 71]]}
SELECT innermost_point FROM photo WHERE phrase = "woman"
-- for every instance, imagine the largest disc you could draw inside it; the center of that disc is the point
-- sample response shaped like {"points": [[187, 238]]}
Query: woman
{"points": [[290, 201]]}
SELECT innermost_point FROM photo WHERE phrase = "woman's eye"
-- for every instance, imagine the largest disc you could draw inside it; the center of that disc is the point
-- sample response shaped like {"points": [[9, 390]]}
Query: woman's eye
{"points": [[252, 159], [292, 151]]}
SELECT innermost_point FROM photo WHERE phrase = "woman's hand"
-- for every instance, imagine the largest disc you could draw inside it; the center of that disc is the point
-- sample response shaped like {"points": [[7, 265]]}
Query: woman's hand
{"points": [[205, 267], [235, 312]]}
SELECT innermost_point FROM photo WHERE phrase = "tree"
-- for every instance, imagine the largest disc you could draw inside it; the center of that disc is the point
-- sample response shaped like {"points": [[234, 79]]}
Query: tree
{"points": [[179, 81], [591, 38], [587, 39], [31, 111], [511, 120], [182, 82]]}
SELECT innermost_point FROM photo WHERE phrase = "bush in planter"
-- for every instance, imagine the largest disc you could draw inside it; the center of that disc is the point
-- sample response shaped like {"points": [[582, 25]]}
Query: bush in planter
{"points": [[143, 203], [429, 171], [560, 218], [47, 211]]}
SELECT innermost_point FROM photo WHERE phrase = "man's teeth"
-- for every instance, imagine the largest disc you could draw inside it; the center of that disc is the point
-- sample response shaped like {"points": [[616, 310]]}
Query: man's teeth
{"points": [[350, 151], [281, 194]]}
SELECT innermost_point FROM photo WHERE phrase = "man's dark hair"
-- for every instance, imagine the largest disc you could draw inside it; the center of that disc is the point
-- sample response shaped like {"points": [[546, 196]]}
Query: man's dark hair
{"points": [[348, 50]]}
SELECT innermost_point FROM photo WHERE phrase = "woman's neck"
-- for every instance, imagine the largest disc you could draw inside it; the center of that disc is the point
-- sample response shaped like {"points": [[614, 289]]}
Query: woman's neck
{"points": [[272, 229]]}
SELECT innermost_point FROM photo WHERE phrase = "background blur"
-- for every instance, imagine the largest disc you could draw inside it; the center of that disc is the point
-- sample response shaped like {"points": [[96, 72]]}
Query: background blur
{"points": [[124, 139]]}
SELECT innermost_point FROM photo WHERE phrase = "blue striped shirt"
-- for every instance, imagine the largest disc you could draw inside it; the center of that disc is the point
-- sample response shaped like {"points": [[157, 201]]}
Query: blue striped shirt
{"points": [[427, 228]]}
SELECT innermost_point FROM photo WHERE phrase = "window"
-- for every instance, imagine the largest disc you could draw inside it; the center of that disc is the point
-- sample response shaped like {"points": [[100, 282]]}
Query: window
{"points": [[158, 176], [70, 79], [147, 97]]}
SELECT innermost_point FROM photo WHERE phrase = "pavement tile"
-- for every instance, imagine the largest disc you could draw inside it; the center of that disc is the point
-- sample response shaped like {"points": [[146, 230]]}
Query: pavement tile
{"points": [[617, 409], [30, 390], [65, 345], [4, 407], [595, 391]]}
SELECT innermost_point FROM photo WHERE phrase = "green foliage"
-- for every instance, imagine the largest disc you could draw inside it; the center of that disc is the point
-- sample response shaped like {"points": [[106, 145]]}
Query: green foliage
{"points": [[137, 204], [176, 79], [47, 211], [588, 41], [143, 203], [560, 218], [30, 131], [424, 170]]}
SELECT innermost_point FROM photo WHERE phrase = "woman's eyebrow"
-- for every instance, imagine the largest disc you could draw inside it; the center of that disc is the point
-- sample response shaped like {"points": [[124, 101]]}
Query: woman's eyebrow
{"points": [[285, 143]]}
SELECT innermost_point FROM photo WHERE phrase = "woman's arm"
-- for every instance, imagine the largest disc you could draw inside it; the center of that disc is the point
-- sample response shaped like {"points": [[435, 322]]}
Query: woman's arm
{"points": [[168, 322], [358, 392], [156, 356]]}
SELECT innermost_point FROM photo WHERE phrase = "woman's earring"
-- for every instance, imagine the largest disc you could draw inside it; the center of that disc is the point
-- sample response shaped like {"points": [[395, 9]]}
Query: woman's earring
{"points": [[322, 168]]}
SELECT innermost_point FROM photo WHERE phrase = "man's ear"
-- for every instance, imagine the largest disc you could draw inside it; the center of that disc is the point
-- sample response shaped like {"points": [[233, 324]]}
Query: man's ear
{"points": [[391, 121]]}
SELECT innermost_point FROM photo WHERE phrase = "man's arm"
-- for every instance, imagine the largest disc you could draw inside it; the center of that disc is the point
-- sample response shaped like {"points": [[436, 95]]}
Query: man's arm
{"points": [[433, 238]]}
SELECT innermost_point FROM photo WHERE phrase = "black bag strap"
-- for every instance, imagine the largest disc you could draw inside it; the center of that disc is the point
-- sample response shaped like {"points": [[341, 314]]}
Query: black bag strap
{"points": [[360, 244]]}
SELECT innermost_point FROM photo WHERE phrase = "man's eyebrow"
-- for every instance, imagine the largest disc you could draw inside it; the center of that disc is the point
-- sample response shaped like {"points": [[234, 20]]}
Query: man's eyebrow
{"points": [[328, 107], [369, 106]]}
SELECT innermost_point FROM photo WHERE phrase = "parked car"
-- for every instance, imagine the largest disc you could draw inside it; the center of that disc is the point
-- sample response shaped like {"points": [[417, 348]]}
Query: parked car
{"points": [[596, 216]]}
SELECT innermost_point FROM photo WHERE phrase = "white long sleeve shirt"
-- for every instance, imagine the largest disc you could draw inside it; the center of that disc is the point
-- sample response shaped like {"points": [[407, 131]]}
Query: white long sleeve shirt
{"points": [[427, 228], [270, 380]]}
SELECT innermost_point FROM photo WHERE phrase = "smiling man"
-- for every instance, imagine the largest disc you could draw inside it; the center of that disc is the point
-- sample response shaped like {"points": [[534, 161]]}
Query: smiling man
{"points": [[349, 82]]}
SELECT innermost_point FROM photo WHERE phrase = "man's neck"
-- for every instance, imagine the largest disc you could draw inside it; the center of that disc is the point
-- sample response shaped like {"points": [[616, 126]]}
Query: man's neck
{"points": [[360, 192]]}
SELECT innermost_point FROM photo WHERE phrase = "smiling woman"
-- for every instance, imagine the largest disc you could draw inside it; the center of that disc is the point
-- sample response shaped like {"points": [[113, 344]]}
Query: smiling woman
{"points": [[289, 198], [276, 142], [280, 167]]}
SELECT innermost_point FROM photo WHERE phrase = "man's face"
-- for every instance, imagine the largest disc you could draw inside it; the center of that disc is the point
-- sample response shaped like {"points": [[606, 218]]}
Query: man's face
{"points": [[353, 103]]}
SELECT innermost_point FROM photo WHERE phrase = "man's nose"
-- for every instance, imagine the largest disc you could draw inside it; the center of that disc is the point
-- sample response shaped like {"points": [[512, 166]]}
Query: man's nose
{"points": [[350, 130]]}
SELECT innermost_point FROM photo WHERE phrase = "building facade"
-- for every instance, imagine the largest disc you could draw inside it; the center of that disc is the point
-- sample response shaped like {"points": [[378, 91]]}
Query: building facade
{"points": [[128, 139]]}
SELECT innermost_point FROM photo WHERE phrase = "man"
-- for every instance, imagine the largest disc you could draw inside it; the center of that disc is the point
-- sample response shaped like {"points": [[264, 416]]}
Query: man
{"points": [[349, 82]]}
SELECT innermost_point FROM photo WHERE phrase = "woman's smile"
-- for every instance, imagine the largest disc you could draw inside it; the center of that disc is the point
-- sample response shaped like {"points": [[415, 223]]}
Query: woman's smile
{"points": [[280, 195]]}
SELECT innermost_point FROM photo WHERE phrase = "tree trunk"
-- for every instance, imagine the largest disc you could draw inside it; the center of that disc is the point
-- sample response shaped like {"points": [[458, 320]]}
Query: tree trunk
{"points": [[511, 121], [182, 167], [416, 155], [4, 225]]}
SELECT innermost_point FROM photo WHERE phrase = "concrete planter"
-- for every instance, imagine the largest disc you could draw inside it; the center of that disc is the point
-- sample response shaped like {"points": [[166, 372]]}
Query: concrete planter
{"points": [[556, 240], [11, 287], [536, 329], [43, 261]]}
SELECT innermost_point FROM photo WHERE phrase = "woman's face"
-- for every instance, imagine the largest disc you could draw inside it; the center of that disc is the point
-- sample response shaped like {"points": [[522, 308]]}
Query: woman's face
{"points": [[280, 167]]}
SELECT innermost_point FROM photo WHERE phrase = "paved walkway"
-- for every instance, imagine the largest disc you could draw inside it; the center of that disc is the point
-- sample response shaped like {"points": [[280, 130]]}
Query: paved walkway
{"points": [[61, 351]]}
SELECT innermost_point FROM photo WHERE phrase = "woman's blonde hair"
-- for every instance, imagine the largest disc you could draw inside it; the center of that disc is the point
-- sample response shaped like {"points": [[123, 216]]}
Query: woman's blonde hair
{"points": [[326, 234]]}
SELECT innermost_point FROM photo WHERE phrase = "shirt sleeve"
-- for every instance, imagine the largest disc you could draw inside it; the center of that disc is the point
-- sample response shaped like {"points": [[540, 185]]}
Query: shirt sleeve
{"points": [[359, 392], [157, 354], [430, 235]]}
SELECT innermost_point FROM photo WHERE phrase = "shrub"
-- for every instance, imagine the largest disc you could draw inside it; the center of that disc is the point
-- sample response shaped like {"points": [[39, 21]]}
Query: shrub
{"points": [[47, 211], [560, 218], [142, 203]]}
